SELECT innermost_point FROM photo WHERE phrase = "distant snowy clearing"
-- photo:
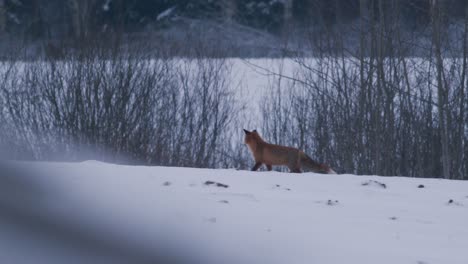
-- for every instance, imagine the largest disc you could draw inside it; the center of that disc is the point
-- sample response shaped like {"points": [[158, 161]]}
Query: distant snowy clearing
{"points": [[229, 216]]}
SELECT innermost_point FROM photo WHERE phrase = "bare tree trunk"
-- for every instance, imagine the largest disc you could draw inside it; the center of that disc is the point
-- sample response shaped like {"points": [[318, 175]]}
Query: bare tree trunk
{"points": [[442, 90], [75, 17], [288, 14], [2, 16], [80, 16], [379, 100], [364, 16], [463, 86], [230, 10]]}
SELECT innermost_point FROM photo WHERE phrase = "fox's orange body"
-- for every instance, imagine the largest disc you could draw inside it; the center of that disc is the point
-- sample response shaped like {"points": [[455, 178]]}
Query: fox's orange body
{"points": [[270, 154]]}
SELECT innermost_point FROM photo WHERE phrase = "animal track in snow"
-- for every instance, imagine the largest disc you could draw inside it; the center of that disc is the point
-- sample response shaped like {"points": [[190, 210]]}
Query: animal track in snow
{"points": [[329, 202], [217, 184], [374, 183], [453, 202], [277, 186]]}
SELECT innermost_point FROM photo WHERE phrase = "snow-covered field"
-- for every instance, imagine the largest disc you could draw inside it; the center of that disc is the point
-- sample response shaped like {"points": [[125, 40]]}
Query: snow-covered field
{"points": [[229, 216]]}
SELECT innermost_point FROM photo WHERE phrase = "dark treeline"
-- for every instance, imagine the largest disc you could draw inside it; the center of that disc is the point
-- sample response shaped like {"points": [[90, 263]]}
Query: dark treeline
{"points": [[53, 25], [57, 18]]}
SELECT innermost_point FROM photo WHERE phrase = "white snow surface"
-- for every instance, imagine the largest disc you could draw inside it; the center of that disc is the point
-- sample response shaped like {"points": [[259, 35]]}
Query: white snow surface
{"points": [[266, 217]]}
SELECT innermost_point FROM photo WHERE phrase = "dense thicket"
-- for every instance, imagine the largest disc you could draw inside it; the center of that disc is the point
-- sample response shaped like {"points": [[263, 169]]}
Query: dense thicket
{"points": [[377, 110], [117, 107]]}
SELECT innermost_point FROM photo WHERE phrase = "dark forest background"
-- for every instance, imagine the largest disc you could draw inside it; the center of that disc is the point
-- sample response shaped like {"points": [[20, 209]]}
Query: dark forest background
{"points": [[247, 28]]}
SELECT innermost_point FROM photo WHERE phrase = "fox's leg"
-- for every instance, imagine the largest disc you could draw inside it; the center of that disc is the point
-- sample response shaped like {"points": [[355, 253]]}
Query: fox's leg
{"points": [[294, 164], [295, 170], [269, 167], [257, 165]]}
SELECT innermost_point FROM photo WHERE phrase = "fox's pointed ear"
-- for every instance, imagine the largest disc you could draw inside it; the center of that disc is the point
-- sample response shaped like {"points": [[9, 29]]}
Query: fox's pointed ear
{"points": [[247, 132]]}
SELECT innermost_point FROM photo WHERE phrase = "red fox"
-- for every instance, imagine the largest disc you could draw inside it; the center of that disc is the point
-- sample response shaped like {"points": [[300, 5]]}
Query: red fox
{"points": [[269, 154]]}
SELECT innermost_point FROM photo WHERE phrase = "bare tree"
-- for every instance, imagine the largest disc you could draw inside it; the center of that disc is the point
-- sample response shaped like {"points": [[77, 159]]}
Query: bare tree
{"points": [[81, 16], [442, 88], [2, 16]]}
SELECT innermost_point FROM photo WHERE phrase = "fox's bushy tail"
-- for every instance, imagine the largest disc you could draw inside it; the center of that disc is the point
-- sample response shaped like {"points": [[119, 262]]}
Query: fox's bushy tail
{"points": [[314, 166]]}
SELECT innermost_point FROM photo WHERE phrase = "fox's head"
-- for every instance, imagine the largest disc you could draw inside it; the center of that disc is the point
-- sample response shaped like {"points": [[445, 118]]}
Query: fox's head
{"points": [[251, 137]]}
